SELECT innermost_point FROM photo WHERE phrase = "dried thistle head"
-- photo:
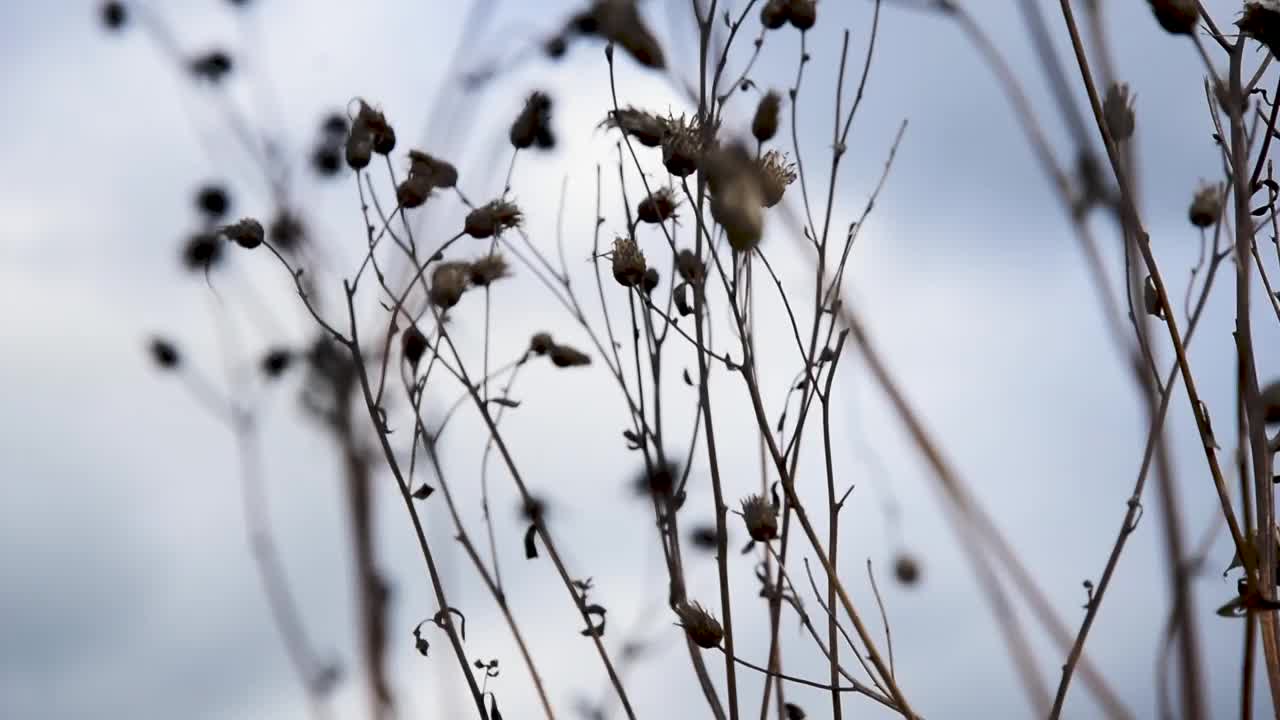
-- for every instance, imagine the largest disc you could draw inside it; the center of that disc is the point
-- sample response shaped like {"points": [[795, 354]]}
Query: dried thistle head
{"points": [[628, 262], [202, 252], [541, 343], [412, 345], [565, 356], [247, 233], [648, 129], [1270, 400], [213, 201], [619, 22], [760, 517], [765, 123], [373, 126], [164, 353], [738, 206], [684, 145], [1117, 110], [286, 231], [1178, 17], [906, 569], [432, 170], [114, 15], [773, 14], [775, 174], [1206, 206], [702, 628], [533, 125], [413, 192], [492, 219], [802, 14], [658, 207], [1261, 21], [488, 268], [691, 269], [650, 281], [448, 282]]}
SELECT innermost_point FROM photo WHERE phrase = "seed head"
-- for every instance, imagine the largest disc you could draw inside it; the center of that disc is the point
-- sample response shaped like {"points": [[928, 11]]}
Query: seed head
{"points": [[202, 251], [164, 353], [286, 231], [1270, 398], [1178, 17], [774, 14], [1206, 206], [1261, 21], [658, 207], [435, 172], [628, 262], [413, 192], [541, 343], [761, 518], [802, 13], [325, 159], [114, 15], [703, 629], [448, 282], [648, 129], [565, 356], [212, 66], [619, 22], [488, 268], [765, 123], [412, 345], [906, 569], [492, 219], [359, 149], [334, 126], [1117, 109], [737, 206], [533, 125], [704, 537], [276, 361], [682, 146], [247, 233], [775, 174], [650, 281], [213, 201], [690, 267]]}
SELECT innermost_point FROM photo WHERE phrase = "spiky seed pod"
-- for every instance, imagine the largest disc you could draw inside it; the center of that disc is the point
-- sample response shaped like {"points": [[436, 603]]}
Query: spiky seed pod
{"points": [[435, 172], [213, 201], [648, 129], [541, 343], [1261, 21], [760, 517], [658, 207], [906, 569], [276, 362], [371, 126], [1178, 17], [164, 353], [286, 231], [1270, 398], [488, 268], [412, 345], [1151, 298], [690, 267], [491, 219], [628, 262], [565, 356], [802, 13], [1206, 206], [247, 233], [448, 282], [359, 150], [533, 124], [202, 251], [703, 629], [413, 192], [775, 174], [682, 147], [765, 123], [1117, 110], [114, 15], [650, 281], [774, 14]]}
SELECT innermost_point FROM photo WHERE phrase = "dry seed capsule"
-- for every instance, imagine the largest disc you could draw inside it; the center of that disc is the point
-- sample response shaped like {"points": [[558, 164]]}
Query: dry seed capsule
{"points": [[703, 629], [765, 123]]}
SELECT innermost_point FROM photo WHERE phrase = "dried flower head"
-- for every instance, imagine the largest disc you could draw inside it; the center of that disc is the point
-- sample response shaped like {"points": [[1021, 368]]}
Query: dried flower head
{"points": [[413, 192], [648, 129], [691, 269], [619, 22], [247, 233], [114, 15], [1206, 206], [1117, 109], [326, 159], [802, 14], [373, 126], [488, 268], [1178, 17], [164, 353], [774, 14], [650, 281], [541, 343], [492, 219], [760, 517], [412, 345], [276, 362], [533, 125], [628, 262], [659, 480], [359, 148], [738, 206], [202, 251], [776, 173], [448, 282], [658, 207], [906, 569], [438, 173], [565, 356], [703, 629], [765, 123], [213, 201], [682, 146], [286, 231], [1261, 21]]}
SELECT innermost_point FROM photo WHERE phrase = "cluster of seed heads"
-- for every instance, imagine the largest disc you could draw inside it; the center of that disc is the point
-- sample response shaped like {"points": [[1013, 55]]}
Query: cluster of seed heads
{"points": [[492, 219], [370, 133], [802, 14], [561, 355], [426, 173], [532, 127]]}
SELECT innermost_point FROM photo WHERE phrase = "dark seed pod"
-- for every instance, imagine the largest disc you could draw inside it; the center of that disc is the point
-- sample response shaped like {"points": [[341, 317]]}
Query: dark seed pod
{"points": [[650, 281], [565, 356], [286, 231], [1178, 17], [359, 149], [212, 66], [412, 345], [765, 123], [703, 629], [202, 251], [760, 517], [326, 160], [114, 15], [334, 126], [412, 192], [212, 200], [774, 14], [164, 354], [906, 569], [276, 361], [556, 47], [802, 13], [1270, 397], [247, 233], [704, 537], [384, 141], [658, 207]]}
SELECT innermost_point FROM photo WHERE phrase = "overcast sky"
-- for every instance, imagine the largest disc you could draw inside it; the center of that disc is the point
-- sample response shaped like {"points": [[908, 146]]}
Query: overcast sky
{"points": [[126, 585]]}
